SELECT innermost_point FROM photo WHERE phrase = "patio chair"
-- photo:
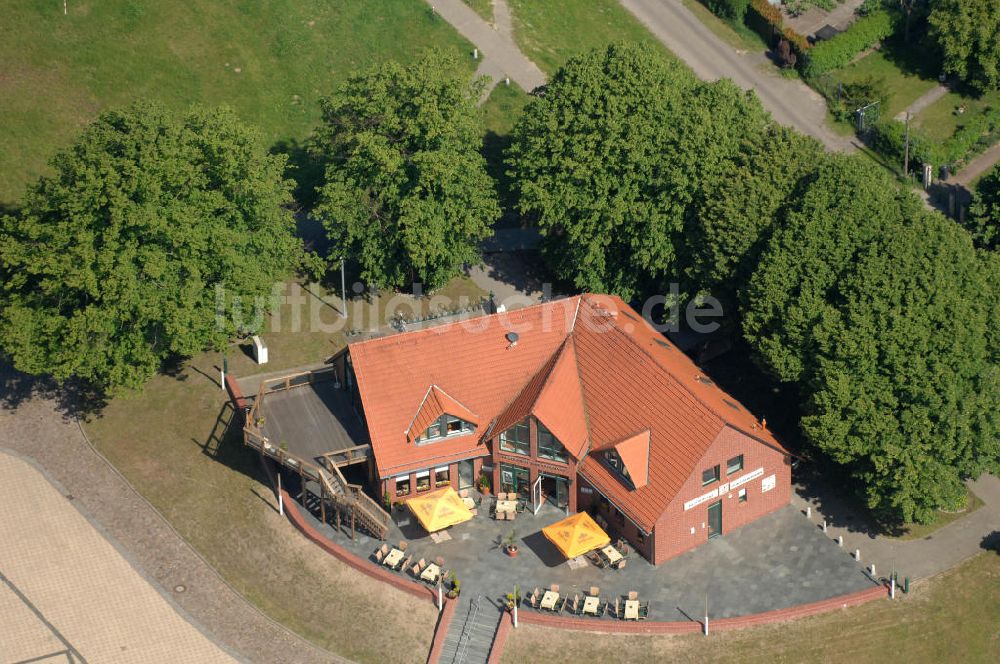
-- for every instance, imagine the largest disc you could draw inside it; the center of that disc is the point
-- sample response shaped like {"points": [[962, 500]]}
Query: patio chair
{"points": [[419, 567], [602, 608], [464, 493], [633, 595], [521, 506], [474, 512], [617, 611], [440, 561], [405, 563], [501, 496], [595, 591], [621, 563], [554, 587], [560, 604], [379, 555], [594, 558], [575, 606], [403, 544], [643, 610], [533, 599], [511, 516]]}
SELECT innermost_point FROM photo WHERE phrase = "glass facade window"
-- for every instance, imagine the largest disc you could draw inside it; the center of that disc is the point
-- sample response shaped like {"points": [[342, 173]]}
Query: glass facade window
{"points": [[734, 465], [515, 479], [402, 485], [442, 476], [549, 446], [710, 475], [444, 426], [423, 480], [515, 439]]}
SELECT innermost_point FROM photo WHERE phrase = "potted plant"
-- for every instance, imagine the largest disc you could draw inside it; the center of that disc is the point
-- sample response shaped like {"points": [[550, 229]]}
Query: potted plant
{"points": [[510, 544], [513, 599], [484, 484], [456, 587], [387, 501]]}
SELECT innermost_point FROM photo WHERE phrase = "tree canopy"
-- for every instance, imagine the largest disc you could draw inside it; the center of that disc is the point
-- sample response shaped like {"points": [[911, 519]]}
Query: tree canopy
{"points": [[966, 32], [881, 312], [613, 154], [406, 192], [984, 214], [113, 263]]}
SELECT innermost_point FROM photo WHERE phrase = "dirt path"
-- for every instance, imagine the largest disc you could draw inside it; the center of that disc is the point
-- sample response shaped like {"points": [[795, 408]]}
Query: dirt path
{"points": [[33, 424], [978, 166], [923, 101]]}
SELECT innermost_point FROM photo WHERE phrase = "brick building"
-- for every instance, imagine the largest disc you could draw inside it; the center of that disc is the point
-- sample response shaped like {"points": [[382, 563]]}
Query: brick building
{"points": [[577, 402]]}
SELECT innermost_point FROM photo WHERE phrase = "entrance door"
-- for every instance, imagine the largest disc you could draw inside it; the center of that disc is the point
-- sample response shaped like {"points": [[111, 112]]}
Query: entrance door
{"points": [[715, 519], [562, 494], [465, 475], [536, 495]]}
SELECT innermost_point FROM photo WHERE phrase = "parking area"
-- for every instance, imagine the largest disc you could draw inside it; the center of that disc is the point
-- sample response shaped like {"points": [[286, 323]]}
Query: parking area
{"points": [[67, 594]]}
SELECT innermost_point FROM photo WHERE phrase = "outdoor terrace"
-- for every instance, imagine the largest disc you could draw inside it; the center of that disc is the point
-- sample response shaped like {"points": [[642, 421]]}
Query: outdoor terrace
{"points": [[779, 561]]}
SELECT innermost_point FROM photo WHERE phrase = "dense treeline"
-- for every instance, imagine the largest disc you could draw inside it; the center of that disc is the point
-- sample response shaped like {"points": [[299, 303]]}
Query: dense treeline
{"points": [[882, 314]]}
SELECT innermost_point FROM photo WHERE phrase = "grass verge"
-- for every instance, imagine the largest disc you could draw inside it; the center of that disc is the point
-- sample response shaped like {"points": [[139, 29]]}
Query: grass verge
{"points": [[270, 61], [734, 33], [951, 618], [551, 32], [915, 531]]}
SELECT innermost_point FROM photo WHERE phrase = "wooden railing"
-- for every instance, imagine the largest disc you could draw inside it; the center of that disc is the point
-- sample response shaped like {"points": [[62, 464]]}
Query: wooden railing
{"points": [[348, 456]]}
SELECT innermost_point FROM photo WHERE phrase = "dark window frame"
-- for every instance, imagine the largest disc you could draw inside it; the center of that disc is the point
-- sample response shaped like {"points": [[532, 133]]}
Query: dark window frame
{"points": [[715, 475], [516, 445], [730, 469], [553, 450]]}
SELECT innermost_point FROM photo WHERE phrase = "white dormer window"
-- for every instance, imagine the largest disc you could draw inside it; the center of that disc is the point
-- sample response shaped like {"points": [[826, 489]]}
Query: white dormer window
{"points": [[612, 459]]}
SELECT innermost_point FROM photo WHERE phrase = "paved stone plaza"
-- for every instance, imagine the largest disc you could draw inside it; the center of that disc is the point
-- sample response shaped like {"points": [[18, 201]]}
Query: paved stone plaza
{"points": [[779, 561]]}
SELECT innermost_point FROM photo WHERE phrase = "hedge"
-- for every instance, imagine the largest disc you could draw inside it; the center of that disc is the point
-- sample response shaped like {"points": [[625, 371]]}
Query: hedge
{"points": [[766, 20], [888, 138], [731, 9], [839, 51]]}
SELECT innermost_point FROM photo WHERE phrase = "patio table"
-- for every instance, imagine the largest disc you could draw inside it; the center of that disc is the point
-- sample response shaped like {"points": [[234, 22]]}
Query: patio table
{"points": [[590, 605], [550, 598], [431, 573], [392, 558], [632, 609], [612, 554], [506, 506]]}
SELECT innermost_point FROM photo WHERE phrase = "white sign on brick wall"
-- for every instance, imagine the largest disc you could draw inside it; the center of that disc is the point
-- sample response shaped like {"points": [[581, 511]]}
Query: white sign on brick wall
{"points": [[767, 484]]}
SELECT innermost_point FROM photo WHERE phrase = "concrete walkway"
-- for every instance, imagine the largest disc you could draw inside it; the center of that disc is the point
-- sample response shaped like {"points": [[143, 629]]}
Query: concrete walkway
{"points": [[34, 424], [918, 559], [978, 166], [67, 592], [501, 55], [790, 101], [923, 101]]}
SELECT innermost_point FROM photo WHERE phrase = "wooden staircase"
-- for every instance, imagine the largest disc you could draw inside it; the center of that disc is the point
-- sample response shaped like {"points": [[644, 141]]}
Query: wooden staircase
{"points": [[350, 501]]}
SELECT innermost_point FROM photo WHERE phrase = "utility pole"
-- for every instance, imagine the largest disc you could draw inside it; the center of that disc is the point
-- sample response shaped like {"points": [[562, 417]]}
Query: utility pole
{"points": [[906, 152], [343, 288]]}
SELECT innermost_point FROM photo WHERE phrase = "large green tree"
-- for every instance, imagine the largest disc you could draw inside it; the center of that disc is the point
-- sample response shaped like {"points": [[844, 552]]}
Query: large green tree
{"points": [[882, 314], [968, 35], [116, 261], [406, 193], [612, 156], [983, 220]]}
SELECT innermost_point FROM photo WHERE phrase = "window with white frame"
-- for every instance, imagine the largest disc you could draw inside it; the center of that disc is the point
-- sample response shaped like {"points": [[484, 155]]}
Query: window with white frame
{"points": [[445, 426]]}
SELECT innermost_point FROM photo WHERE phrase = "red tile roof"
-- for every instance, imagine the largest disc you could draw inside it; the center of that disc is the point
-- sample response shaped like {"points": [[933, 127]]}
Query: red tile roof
{"points": [[590, 368]]}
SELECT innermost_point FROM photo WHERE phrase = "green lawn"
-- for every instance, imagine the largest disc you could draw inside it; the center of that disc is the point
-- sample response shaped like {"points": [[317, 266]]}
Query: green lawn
{"points": [[952, 618], [915, 531], [905, 85], [734, 33], [270, 61], [940, 120], [550, 31], [501, 111]]}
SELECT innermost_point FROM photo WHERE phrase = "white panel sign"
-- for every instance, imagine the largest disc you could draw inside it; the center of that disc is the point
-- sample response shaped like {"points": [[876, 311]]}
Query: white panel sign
{"points": [[694, 502], [767, 484], [740, 481], [586, 489]]}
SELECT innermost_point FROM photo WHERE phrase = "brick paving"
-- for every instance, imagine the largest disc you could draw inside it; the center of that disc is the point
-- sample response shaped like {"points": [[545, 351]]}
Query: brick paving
{"points": [[33, 423], [68, 590]]}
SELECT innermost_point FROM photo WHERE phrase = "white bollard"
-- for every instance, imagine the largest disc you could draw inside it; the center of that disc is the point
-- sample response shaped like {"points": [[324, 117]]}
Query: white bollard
{"points": [[506, 81], [840, 540], [515, 613], [824, 525], [857, 554], [873, 569], [809, 512], [892, 587], [475, 54]]}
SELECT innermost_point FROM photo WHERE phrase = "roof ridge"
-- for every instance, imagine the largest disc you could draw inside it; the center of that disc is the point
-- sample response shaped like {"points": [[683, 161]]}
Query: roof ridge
{"points": [[444, 326]]}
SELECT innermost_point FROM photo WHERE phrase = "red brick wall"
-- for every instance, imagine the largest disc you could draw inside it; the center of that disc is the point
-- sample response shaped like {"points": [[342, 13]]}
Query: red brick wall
{"points": [[534, 464], [672, 535], [619, 525]]}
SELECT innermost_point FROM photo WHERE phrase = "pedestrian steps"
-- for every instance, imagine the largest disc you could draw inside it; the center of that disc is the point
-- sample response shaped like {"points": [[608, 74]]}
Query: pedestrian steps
{"points": [[470, 635]]}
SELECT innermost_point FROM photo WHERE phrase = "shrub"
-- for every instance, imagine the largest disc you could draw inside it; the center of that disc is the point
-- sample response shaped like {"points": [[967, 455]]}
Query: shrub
{"points": [[973, 137], [839, 51], [888, 138], [732, 9], [766, 20], [855, 94]]}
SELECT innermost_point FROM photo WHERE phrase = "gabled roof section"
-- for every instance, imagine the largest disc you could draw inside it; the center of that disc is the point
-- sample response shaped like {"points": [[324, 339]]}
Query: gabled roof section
{"points": [[436, 403], [634, 453], [560, 403]]}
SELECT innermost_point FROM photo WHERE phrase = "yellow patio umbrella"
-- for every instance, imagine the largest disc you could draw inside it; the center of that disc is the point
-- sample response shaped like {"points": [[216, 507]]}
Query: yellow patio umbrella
{"points": [[439, 509], [576, 535]]}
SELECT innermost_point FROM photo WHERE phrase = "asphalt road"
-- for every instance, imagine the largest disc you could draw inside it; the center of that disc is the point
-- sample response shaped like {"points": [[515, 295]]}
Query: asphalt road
{"points": [[790, 101]]}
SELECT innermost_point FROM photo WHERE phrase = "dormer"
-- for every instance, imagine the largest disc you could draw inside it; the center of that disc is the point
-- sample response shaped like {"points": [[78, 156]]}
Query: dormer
{"points": [[629, 458], [440, 416]]}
